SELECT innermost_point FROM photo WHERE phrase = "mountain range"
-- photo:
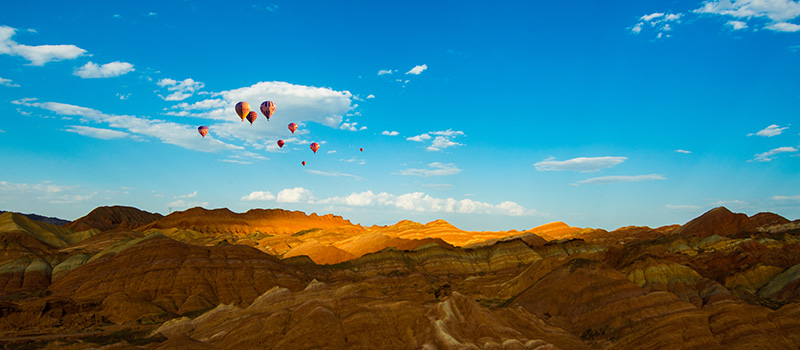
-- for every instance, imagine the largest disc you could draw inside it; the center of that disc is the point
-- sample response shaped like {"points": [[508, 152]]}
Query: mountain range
{"points": [[123, 278]]}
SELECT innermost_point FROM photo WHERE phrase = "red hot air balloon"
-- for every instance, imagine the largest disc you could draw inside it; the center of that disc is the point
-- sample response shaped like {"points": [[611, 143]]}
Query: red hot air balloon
{"points": [[267, 107], [292, 127], [251, 117], [361, 149], [281, 143], [203, 130], [304, 163], [242, 109], [314, 147]]}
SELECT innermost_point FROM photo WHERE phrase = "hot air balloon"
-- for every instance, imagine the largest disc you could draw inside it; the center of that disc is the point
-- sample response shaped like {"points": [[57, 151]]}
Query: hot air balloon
{"points": [[361, 149], [203, 130], [292, 127], [314, 147], [304, 163], [280, 143], [251, 117], [267, 107], [242, 109]]}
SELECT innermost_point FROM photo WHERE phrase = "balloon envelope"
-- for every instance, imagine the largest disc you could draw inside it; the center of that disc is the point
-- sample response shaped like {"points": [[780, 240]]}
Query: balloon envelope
{"points": [[292, 127], [251, 117], [242, 109], [361, 149], [203, 130], [267, 107], [314, 147], [304, 163], [280, 143]]}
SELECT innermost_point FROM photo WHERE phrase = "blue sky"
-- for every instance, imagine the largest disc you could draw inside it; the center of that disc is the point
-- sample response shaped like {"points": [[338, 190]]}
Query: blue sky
{"points": [[492, 116]]}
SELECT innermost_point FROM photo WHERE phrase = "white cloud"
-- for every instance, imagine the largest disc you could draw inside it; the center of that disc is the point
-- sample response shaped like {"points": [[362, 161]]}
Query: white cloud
{"points": [[419, 138], [582, 164], [448, 132], [235, 161], [637, 28], [7, 82], [421, 202], [770, 131], [776, 10], [370, 96], [736, 25], [152, 14], [783, 27], [391, 133], [123, 96], [351, 126], [651, 16], [181, 90], [36, 55], [729, 203], [384, 71], [435, 169], [417, 69], [602, 180], [98, 133], [294, 195], [190, 195], [333, 174], [768, 156], [108, 70], [298, 103], [259, 196], [441, 142], [683, 151], [168, 132], [682, 207]]}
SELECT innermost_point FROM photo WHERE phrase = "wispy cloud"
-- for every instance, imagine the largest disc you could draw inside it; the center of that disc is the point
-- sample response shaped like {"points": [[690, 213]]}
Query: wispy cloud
{"points": [[783, 27], [36, 55], [683, 151], [333, 174], [7, 82], [181, 90], [98, 133], [419, 138], [370, 96], [582, 164], [603, 180], [182, 204], [417, 69], [190, 195], [770, 131], [422, 202], [434, 169], [108, 70], [787, 198], [168, 132], [440, 187], [390, 133], [385, 71], [769, 155], [659, 22], [45, 192]]}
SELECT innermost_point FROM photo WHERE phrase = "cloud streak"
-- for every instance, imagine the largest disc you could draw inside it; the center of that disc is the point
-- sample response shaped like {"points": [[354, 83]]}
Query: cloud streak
{"points": [[604, 180], [582, 164], [768, 156], [434, 169], [770, 131]]}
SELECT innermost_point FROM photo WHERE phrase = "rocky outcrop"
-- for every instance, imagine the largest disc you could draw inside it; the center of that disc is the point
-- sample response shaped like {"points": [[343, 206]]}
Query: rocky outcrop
{"points": [[109, 218], [718, 221]]}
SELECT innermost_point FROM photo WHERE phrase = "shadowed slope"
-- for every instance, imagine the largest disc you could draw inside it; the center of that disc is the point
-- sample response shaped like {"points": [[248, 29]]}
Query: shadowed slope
{"points": [[109, 218]]}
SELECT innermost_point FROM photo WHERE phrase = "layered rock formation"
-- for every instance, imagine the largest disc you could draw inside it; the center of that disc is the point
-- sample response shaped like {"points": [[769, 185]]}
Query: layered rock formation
{"points": [[208, 279]]}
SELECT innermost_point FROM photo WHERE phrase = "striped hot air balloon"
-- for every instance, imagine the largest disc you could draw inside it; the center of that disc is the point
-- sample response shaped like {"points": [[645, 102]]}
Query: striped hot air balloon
{"points": [[314, 147], [203, 130], [267, 108], [251, 117], [242, 109], [292, 127]]}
